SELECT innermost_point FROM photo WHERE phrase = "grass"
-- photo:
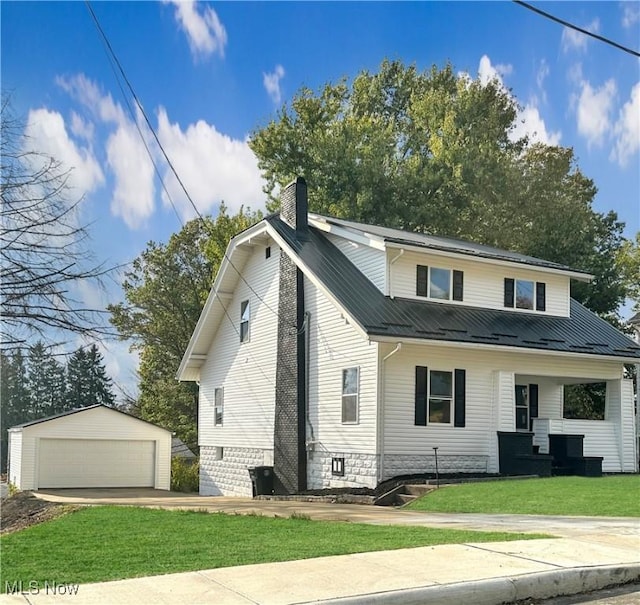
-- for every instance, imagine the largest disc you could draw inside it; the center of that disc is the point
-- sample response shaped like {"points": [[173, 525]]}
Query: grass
{"points": [[614, 496], [107, 543]]}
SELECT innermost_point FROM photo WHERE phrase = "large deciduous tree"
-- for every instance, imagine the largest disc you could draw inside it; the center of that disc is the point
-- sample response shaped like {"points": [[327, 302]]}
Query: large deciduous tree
{"points": [[436, 152], [165, 291], [44, 251]]}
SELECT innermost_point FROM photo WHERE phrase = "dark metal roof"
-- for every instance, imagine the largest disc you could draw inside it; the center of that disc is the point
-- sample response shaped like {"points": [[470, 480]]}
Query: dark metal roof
{"points": [[447, 244], [84, 409], [583, 332]]}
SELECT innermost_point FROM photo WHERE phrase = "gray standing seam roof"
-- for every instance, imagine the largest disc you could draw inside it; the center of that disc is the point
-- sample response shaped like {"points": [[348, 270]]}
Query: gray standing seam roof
{"points": [[447, 244], [582, 332]]}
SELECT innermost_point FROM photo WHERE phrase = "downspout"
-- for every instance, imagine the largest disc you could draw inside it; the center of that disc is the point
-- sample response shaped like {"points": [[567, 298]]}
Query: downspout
{"points": [[381, 401], [391, 263], [307, 347]]}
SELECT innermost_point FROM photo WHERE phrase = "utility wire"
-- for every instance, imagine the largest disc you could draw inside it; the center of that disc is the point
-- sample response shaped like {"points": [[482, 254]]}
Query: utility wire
{"points": [[112, 53], [586, 32]]}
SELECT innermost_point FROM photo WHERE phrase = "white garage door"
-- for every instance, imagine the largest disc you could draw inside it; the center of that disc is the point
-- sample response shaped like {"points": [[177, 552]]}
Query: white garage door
{"points": [[96, 463]]}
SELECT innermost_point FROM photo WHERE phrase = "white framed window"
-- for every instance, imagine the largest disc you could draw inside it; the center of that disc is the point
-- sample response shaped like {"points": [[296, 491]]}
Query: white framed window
{"points": [[218, 406], [218, 453], [350, 395], [524, 294], [438, 283], [440, 397], [245, 320]]}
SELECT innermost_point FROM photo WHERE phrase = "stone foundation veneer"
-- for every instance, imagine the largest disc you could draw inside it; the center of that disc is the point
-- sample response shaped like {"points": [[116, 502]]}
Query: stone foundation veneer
{"points": [[395, 465], [229, 476], [360, 470]]}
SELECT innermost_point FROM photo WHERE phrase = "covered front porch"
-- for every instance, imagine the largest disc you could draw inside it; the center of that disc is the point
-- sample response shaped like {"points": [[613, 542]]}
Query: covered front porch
{"points": [[534, 434]]}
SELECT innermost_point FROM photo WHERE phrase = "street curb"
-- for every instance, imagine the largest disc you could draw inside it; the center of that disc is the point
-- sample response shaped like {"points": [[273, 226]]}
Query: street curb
{"points": [[496, 591]]}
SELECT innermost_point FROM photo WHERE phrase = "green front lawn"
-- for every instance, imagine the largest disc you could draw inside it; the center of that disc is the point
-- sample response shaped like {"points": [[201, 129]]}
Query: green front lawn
{"points": [[108, 543], [615, 496]]}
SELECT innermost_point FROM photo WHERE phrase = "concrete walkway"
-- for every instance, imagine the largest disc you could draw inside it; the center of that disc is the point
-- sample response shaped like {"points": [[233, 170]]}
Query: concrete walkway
{"points": [[595, 552]]}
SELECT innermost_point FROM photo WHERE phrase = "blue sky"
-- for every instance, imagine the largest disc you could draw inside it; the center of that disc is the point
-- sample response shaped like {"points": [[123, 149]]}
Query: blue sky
{"points": [[208, 74]]}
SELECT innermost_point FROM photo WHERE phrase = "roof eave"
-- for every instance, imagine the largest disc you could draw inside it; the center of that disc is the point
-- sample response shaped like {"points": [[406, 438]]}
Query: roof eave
{"points": [[578, 275], [504, 348]]}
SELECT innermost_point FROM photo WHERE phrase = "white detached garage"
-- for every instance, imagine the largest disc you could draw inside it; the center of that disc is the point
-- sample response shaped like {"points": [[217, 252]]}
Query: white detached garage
{"points": [[96, 446]]}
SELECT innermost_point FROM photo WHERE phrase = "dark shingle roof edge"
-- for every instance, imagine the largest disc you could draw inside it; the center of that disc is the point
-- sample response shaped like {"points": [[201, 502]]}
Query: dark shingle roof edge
{"points": [[396, 318]]}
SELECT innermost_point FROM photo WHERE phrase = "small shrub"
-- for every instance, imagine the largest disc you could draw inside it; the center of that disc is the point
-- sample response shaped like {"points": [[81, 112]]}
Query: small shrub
{"points": [[185, 476], [13, 489]]}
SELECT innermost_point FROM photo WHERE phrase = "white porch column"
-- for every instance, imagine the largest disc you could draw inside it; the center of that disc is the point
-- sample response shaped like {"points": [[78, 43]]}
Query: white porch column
{"points": [[619, 409], [503, 412]]}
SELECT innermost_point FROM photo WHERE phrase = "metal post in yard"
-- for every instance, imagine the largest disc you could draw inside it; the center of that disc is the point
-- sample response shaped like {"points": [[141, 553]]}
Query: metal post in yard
{"points": [[435, 450]]}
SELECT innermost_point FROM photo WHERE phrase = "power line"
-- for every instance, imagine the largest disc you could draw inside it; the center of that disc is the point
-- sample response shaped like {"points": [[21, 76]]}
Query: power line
{"points": [[112, 53], [586, 32]]}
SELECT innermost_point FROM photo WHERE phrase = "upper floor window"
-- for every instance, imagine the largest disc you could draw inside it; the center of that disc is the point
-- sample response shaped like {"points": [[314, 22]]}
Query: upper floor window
{"points": [[350, 395], [218, 402], [439, 284], [245, 318], [524, 294]]}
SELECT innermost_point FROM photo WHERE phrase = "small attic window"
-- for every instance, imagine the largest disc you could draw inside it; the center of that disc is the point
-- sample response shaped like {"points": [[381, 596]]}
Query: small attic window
{"points": [[267, 252]]}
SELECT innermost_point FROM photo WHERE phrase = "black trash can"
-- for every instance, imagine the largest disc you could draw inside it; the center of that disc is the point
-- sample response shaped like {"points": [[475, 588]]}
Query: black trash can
{"points": [[261, 480]]}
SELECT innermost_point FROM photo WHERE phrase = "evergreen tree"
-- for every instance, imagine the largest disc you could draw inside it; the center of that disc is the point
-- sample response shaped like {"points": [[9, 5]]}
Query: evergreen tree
{"points": [[15, 399], [46, 382], [87, 379]]}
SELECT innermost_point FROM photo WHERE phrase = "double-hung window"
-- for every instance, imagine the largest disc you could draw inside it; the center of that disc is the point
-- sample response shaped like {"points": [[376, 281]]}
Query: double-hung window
{"points": [[438, 283], [218, 406], [350, 395], [245, 319], [440, 397]]}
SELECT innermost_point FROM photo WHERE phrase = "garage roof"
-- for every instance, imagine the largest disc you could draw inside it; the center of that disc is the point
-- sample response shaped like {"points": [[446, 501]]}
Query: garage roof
{"points": [[84, 409]]}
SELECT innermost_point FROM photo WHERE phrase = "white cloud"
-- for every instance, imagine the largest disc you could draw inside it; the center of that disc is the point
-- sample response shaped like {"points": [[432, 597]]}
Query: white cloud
{"points": [[528, 122], [132, 168], [46, 133], [575, 40], [205, 33], [213, 166], [630, 14], [271, 83], [488, 72], [81, 128], [541, 76], [593, 110], [133, 193], [627, 129]]}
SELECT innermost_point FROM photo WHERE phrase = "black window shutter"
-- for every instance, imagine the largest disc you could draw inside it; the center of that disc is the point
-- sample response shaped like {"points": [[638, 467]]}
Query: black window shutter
{"points": [[509, 285], [422, 280], [533, 404], [421, 396], [533, 400], [540, 296], [458, 281], [459, 414]]}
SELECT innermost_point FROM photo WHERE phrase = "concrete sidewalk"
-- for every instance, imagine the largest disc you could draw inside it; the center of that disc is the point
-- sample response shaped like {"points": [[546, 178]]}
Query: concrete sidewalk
{"points": [[477, 574], [594, 553]]}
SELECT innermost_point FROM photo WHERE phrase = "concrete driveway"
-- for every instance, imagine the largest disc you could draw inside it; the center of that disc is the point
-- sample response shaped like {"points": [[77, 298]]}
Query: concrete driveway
{"points": [[567, 527]]}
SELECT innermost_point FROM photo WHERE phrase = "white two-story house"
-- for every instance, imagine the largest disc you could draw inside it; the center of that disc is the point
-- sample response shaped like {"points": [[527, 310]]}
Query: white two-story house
{"points": [[342, 354]]}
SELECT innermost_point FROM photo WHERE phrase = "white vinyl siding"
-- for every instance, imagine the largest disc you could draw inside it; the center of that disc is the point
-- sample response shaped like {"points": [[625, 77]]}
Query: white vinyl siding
{"points": [[370, 261], [483, 282], [96, 463], [246, 371], [335, 346], [489, 396], [15, 457], [95, 424]]}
